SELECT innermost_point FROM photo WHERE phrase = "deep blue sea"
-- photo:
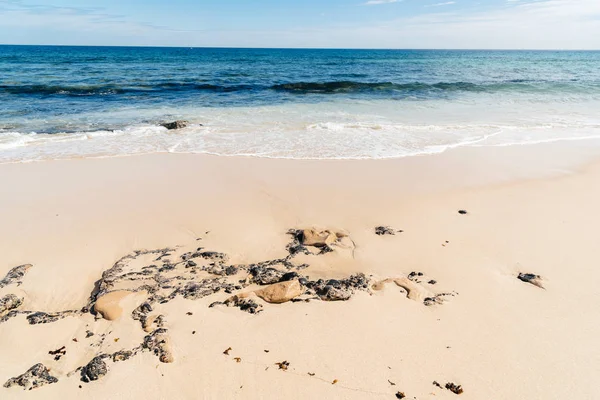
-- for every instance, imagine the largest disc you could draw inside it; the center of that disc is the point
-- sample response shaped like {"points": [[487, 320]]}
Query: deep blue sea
{"points": [[61, 102]]}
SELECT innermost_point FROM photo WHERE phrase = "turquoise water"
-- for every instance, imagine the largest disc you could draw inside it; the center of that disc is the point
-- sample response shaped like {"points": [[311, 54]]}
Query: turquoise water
{"points": [[60, 102]]}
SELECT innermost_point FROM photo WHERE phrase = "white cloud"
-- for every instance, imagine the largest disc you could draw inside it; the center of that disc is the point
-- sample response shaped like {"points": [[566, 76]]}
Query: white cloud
{"points": [[447, 3]]}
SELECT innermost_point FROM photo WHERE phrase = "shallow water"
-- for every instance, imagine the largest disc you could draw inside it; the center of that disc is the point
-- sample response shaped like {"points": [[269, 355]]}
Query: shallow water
{"points": [[61, 102]]}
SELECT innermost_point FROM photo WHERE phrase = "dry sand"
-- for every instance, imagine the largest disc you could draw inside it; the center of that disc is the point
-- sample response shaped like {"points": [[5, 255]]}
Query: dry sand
{"points": [[530, 209]]}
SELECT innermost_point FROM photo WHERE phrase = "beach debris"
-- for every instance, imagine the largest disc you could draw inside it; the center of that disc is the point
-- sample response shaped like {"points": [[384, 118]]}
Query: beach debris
{"points": [[237, 359], [400, 395], [35, 377], [94, 370], [14, 275], [456, 389], [391, 383], [311, 374], [58, 353], [158, 343], [435, 383], [179, 124], [384, 230], [9, 302], [226, 352], [283, 365], [533, 279], [334, 382], [462, 212], [189, 313], [432, 282]]}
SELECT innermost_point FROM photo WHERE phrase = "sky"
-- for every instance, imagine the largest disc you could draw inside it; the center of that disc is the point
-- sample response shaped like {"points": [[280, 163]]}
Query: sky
{"points": [[422, 24]]}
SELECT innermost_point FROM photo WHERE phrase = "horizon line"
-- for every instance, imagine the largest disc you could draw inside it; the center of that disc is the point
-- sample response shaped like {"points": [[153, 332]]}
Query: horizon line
{"points": [[299, 48]]}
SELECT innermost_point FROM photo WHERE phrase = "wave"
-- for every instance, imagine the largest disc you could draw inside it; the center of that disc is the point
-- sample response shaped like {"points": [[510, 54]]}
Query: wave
{"points": [[330, 87]]}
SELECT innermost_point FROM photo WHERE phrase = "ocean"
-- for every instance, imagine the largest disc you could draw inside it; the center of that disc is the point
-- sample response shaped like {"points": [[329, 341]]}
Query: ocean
{"points": [[61, 102]]}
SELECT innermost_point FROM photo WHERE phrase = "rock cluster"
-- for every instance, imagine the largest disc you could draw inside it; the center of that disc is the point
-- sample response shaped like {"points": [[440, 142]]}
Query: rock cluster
{"points": [[35, 377]]}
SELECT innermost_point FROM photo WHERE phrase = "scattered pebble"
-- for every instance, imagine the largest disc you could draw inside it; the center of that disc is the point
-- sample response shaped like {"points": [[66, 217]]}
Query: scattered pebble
{"points": [[334, 382], [283, 365], [238, 359], [226, 352], [456, 389], [400, 395], [462, 212]]}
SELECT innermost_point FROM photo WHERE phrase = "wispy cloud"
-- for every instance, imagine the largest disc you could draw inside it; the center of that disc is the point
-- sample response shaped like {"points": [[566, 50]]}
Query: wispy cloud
{"points": [[377, 2], [447, 3]]}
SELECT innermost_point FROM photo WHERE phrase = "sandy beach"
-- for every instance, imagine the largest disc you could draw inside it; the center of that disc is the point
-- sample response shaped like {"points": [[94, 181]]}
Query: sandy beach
{"points": [[192, 276]]}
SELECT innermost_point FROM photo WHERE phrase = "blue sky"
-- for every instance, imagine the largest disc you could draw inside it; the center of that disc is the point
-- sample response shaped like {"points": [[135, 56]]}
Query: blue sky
{"points": [[512, 24]]}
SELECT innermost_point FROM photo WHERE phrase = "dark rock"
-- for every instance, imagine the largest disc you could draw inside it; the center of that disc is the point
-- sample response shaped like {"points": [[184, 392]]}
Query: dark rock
{"points": [[462, 212], [9, 303], [89, 334], [14, 275], [400, 395], [331, 293], [94, 370], [36, 376], [533, 279], [42, 318], [334, 290], [231, 270], [384, 230], [295, 249], [435, 383], [58, 353], [212, 255], [289, 276], [158, 343], [175, 124], [456, 389], [432, 282], [266, 276], [249, 305]]}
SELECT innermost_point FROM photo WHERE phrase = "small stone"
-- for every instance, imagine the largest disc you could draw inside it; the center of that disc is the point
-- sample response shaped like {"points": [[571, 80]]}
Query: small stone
{"points": [[400, 395], [94, 370], [456, 389], [283, 365], [462, 212], [384, 230], [179, 124], [533, 279]]}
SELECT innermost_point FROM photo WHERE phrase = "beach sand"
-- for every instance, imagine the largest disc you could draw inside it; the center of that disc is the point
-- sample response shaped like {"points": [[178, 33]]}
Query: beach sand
{"points": [[441, 301]]}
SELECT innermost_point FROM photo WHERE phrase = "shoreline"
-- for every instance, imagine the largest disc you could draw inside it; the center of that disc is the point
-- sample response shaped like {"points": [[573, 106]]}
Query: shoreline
{"points": [[529, 210]]}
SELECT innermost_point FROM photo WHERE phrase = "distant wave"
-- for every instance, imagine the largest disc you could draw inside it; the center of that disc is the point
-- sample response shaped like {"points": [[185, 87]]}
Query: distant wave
{"points": [[333, 87]]}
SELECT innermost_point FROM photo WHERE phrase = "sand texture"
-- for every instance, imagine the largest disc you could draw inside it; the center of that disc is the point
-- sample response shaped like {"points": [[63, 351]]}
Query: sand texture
{"points": [[190, 276]]}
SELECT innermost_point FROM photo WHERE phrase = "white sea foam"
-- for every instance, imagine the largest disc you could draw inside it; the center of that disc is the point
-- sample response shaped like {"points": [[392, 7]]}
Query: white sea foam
{"points": [[343, 130]]}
